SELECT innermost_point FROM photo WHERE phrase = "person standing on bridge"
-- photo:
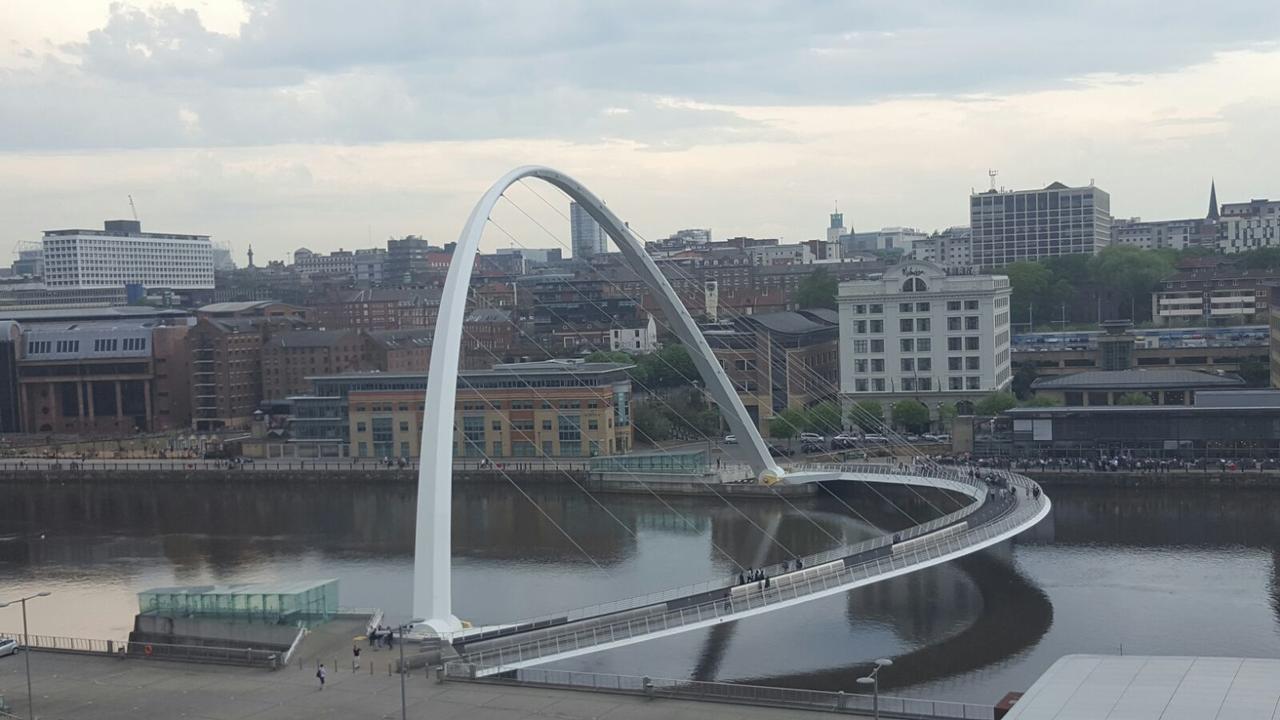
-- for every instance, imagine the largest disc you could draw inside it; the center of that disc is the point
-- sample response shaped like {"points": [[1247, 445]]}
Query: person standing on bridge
{"points": [[321, 674], [355, 657]]}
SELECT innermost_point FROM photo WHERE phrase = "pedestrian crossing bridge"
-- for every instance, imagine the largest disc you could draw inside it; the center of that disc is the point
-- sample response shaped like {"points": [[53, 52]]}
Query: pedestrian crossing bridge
{"points": [[997, 511], [992, 515]]}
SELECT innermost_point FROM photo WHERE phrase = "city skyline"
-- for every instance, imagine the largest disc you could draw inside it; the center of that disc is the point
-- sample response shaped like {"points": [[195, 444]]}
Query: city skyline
{"points": [[278, 145]]}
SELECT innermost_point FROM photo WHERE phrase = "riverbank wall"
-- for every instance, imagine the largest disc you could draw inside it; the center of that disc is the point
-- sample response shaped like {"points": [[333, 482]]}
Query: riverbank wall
{"points": [[1194, 479], [594, 482]]}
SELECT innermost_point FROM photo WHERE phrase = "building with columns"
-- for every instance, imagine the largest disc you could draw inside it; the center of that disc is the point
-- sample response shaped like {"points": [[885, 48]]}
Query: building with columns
{"points": [[102, 377]]}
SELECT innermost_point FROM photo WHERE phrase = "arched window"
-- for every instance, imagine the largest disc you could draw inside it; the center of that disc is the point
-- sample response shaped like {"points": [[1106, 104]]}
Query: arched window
{"points": [[914, 285], [964, 407]]}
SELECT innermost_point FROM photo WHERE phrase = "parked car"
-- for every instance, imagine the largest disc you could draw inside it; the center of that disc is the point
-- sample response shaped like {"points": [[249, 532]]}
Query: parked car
{"points": [[8, 647], [776, 451], [843, 441], [943, 438], [914, 438], [730, 440], [810, 447], [874, 438], [812, 437]]}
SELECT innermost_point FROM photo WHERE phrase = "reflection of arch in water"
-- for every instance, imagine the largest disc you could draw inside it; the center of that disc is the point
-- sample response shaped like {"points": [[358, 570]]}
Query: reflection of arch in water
{"points": [[1016, 615]]}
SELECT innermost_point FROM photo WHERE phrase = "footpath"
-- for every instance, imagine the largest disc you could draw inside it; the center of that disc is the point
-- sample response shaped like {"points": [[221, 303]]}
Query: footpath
{"points": [[82, 687]]}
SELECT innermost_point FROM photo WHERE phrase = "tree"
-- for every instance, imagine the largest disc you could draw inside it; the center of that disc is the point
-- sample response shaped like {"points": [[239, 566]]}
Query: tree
{"points": [[669, 367], [946, 414], [1134, 398], [1256, 373], [787, 424], [613, 356], [911, 415], [995, 403], [1041, 401], [1022, 379], [1264, 258], [1132, 273], [817, 291], [650, 422], [1030, 282], [867, 414], [824, 418]]}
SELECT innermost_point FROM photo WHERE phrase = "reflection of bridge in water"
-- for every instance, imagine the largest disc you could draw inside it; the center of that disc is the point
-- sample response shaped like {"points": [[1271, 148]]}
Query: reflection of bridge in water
{"points": [[988, 518]]}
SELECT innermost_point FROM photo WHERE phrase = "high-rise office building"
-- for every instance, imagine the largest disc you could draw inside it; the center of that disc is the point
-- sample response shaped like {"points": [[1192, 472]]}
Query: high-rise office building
{"points": [[121, 254], [587, 236], [1013, 225]]}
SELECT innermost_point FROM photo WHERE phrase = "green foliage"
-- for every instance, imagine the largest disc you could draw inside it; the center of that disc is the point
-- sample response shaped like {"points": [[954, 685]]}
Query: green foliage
{"points": [[1022, 379], [1133, 398], [824, 418], [1131, 272], [669, 367], [1265, 258], [788, 423], [867, 414], [817, 291], [1041, 401], [911, 415], [650, 422], [1256, 373], [995, 403], [675, 415], [603, 356], [946, 414]]}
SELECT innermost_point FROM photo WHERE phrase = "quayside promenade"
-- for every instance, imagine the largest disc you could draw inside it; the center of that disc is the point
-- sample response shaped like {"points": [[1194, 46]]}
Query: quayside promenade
{"points": [[84, 687]]}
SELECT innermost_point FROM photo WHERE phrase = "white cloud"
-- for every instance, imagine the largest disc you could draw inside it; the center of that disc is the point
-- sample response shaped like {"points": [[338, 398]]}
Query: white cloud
{"points": [[314, 124]]}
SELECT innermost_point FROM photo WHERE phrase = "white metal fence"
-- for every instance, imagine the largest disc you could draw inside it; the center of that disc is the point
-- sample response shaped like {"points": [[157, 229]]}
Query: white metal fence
{"points": [[890, 706]]}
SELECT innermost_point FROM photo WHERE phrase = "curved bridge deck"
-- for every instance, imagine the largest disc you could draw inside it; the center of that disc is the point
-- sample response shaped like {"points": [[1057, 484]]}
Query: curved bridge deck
{"points": [[998, 512]]}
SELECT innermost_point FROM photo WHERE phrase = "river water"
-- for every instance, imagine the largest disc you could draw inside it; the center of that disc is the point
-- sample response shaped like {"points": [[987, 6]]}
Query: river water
{"points": [[1150, 571]]}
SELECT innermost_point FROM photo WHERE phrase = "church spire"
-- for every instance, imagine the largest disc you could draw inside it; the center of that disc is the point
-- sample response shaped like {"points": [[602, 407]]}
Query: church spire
{"points": [[1213, 201]]}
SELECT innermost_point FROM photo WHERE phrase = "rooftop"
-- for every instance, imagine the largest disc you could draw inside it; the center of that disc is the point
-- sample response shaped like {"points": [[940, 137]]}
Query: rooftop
{"points": [[796, 323], [235, 307], [309, 338], [1154, 378], [101, 313], [1102, 687]]}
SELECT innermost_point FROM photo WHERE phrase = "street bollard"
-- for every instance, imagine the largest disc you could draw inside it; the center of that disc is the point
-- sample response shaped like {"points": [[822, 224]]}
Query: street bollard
{"points": [[648, 687]]}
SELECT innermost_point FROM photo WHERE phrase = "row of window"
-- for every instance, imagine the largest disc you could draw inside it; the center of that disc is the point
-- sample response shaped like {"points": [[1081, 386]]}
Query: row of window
{"points": [[914, 384]]}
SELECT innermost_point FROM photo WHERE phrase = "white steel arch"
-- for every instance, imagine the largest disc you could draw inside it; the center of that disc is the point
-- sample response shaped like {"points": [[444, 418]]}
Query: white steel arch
{"points": [[432, 588]]}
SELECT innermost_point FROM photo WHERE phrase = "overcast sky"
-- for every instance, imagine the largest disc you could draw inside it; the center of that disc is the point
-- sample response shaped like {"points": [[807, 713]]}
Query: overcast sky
{"points": [[327, 123]]}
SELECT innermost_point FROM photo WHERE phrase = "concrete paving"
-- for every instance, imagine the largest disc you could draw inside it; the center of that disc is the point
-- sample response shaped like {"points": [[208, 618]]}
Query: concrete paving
{"points": [[83, 687]]}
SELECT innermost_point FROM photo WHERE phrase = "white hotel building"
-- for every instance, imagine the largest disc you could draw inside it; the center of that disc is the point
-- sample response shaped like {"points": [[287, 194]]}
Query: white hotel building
{"points": [[122, 254], [917, 332]]}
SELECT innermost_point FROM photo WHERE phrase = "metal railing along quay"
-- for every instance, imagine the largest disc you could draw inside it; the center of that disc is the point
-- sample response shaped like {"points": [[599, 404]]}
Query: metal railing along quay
{"points": [[150, 651], [854, 703], [495, 659]]}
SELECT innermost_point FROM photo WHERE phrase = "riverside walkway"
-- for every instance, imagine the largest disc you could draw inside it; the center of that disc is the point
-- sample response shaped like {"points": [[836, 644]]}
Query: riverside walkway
{"points": [[994, 514], [84, 687]]}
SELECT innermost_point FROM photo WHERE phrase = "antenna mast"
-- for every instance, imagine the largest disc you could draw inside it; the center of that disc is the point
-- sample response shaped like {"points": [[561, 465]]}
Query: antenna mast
{"points": [[992, 174], [133, 208]]}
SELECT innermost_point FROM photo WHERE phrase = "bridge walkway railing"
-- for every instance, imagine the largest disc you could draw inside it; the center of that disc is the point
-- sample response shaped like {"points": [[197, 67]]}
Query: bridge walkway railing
{"points": [[493, 658], [853, 703], [811, 560]]}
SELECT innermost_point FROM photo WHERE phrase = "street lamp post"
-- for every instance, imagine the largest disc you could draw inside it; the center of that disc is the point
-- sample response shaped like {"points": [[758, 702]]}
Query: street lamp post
{"points": [[26, 648], [404, 707], [874, 680]]}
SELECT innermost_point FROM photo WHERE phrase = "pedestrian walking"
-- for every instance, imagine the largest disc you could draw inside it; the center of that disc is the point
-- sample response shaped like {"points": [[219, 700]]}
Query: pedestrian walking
{"points": [[355, 658], [321, 674]]}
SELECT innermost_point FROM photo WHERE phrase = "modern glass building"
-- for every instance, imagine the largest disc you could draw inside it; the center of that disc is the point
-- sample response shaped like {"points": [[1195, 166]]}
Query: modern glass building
{"points": [[295, 603]]}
